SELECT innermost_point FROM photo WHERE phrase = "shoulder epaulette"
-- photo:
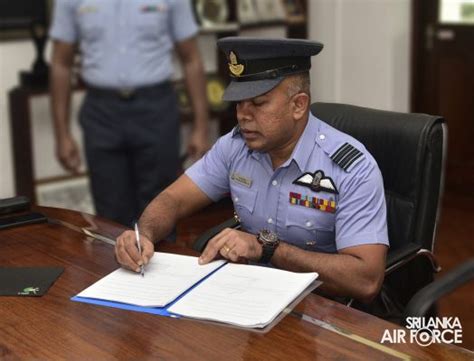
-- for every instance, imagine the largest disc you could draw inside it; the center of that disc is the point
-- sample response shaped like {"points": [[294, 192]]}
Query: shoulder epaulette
{"points": [[346, 155]]}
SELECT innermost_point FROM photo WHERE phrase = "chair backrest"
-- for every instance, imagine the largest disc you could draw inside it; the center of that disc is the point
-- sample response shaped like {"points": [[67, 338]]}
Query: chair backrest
{"points": [[409, 149]]}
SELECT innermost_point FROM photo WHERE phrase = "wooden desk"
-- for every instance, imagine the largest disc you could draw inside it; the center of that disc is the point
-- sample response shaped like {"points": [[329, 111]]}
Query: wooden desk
{"points": [[52, 327]]}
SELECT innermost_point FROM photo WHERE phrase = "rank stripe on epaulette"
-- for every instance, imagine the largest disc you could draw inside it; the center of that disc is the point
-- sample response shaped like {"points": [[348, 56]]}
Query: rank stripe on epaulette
{"points": [[313, 202], [346, 167], [346, 155], [341, 152], [349, 155]]}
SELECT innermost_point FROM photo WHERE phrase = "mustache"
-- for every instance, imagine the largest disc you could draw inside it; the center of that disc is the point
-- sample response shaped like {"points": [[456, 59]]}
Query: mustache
{"points": [[248, 130]]}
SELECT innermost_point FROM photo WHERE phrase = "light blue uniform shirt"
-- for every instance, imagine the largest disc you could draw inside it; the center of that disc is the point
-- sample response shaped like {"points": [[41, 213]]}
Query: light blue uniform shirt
{"points": [[262, 196], [124, 43]]}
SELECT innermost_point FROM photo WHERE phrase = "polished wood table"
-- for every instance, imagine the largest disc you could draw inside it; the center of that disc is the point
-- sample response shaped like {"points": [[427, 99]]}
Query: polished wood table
{"points": [[52, 327]]}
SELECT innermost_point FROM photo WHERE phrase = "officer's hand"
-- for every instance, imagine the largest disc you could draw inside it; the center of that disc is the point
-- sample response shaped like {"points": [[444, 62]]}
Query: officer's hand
{"points": [[126, 251], [67, 153], [232, 244], [198, 143]]}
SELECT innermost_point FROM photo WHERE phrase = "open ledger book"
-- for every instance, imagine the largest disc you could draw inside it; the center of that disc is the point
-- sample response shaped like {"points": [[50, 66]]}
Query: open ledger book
{"points": [[175, 285]]}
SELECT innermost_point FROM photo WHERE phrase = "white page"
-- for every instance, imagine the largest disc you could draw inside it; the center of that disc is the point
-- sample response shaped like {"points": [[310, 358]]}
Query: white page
{"points": [[166, 277], [243, 295]]}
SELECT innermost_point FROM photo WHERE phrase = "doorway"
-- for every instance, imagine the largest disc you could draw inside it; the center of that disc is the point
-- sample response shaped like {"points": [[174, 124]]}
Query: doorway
{"points": [[443, 79]]}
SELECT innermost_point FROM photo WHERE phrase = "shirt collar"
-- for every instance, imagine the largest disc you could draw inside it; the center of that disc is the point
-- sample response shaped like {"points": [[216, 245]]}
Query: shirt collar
{"points": [[305, 144], [236, 131]]}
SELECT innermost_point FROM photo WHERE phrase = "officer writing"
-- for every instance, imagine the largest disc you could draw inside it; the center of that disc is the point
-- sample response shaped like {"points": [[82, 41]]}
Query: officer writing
{"points": [[309, 197]]}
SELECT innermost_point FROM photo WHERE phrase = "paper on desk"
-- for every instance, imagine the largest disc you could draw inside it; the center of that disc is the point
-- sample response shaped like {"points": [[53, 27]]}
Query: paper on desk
{"points": [[167, 276], [243, 295]]}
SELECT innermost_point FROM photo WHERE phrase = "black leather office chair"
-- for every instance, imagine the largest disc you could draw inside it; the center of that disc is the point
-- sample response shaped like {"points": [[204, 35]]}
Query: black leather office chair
{"points": [[410, 151], [424, 299]]}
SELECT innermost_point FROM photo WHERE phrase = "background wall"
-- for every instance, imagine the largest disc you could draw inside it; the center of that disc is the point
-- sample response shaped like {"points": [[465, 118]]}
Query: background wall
{"points": [[365, 62]]}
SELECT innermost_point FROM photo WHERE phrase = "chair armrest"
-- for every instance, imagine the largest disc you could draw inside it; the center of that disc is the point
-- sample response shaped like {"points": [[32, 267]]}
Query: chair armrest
{"points": [[424, 298], [405, 254], [401, 254], [201, 242]]}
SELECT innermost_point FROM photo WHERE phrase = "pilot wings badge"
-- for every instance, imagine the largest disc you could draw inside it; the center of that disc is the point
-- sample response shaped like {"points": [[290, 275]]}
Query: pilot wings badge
{"points": [[317, 182]]}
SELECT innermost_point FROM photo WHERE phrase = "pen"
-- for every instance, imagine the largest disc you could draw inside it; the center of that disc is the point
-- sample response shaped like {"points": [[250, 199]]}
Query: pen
{"points": [[137, 235]]}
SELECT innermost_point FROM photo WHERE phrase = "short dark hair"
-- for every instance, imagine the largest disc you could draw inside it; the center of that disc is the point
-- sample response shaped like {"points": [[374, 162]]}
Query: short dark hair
{"points": [[299, 83]]}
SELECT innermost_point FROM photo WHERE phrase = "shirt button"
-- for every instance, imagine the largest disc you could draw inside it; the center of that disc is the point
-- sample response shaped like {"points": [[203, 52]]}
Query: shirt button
{"points": [[274, 182], [322, 136], [236, 199], [308, 224], [270, 220]]}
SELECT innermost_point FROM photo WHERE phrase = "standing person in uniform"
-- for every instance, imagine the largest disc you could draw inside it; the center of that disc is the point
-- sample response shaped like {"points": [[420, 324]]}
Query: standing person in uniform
{"points": [[309, 197], [130, 114]]}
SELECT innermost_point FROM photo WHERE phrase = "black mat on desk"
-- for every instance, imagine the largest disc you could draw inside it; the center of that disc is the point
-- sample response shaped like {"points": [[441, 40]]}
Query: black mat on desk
{"points": [[27, 281]]}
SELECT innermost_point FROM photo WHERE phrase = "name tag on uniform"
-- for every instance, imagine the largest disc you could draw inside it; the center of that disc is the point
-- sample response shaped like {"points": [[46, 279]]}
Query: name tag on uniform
{"points": [[237, 178], [88, 9], [154, 8]]}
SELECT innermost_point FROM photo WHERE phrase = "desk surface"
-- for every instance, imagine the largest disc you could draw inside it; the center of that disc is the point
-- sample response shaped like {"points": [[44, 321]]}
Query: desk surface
{"points": [[53, 327]]}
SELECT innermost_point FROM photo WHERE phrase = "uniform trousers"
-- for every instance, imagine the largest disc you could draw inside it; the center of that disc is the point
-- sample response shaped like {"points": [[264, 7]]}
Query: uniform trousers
{"points": [[132, 147]]}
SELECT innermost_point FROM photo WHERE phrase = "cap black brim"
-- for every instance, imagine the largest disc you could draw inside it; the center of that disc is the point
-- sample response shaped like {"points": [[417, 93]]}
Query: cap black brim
{"points": [[240, 90]]}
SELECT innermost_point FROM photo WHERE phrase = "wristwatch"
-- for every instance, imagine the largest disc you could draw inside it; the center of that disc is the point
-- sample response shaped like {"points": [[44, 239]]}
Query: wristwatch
{"points": [[269, 241]]}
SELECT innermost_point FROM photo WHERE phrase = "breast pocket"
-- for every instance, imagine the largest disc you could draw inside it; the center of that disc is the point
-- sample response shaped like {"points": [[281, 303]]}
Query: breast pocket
{"points": [[150, 24], [92, 25], [244, 200], [311, 229]]}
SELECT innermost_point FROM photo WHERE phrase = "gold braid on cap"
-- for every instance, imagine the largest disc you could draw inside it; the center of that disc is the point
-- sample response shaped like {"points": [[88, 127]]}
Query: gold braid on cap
{"points": [[235, 68]]}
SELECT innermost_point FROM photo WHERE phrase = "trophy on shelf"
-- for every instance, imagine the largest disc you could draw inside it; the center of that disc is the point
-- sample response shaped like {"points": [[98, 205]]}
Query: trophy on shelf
{"points": [[38, 76], [246, 12], [270, 10], [215, 89], [213, 15]]}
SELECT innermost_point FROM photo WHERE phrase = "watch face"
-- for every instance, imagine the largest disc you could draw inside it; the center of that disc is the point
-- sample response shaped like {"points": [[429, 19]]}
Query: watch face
{"points": [[268, 236]]}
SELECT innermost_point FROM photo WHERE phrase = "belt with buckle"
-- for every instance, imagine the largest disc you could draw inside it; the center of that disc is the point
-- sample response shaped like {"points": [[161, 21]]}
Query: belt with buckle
{"points": [[127, 93]]}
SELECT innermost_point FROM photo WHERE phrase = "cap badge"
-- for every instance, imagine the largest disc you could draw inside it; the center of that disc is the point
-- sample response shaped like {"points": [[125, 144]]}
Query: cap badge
{"points": [[234, 67]]}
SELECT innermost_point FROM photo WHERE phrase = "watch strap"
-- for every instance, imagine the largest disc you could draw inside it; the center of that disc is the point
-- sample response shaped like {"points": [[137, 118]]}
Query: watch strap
{"points": [[269, 242], [267, 253]]}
